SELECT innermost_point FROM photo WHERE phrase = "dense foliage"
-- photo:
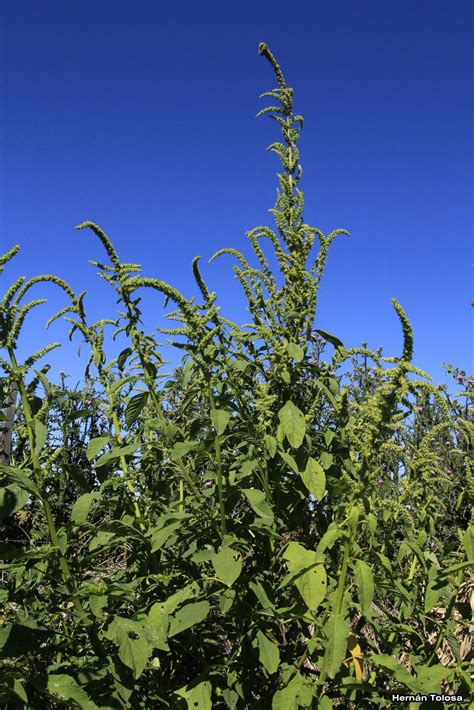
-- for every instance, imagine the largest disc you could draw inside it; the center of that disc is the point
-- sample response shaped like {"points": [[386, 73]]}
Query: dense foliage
{"points": [[263, 528]]}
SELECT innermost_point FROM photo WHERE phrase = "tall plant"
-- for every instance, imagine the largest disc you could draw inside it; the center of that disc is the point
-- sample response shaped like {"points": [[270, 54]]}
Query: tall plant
{"points": [[245, 538]]}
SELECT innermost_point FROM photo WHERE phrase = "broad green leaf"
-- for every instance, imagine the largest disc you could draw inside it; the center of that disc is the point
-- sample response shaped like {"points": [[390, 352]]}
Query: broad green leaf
{"points": [[468, 541], [156, 628], [311, 578], [288, 458], [336, 630], [81, 507], [219, 419], [298, 693], [326, 459], [181, 448], [198, 697], [399, 671], [268, 653], [227, 565], [100, 539], [314, 478], [332, 534], [430, 678], [21, 639], [259, 503], [159, 537], [189, 615], [328, 437], [295, 351], [173, 602], [123, 357], [293, 423], [116, 453], [134, 407], [118, 384], [95, 445], [65, 687], [271, 444], [436, 587], [21, 478], [331, 339], [261, 595], [365, 585], [134, 649], [325, 703], [41, 434], [12, 498]]}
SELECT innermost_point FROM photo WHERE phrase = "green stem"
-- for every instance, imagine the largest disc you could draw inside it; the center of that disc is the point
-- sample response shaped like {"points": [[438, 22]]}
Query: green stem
{"points": [[39, 479]]}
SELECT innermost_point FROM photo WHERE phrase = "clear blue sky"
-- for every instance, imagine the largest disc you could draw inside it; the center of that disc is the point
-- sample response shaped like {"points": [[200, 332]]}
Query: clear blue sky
{"points": [[140, 116]]}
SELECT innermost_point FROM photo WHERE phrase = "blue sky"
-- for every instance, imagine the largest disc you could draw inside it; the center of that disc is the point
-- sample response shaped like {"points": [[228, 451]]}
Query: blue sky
{"points": [[140, 116]]}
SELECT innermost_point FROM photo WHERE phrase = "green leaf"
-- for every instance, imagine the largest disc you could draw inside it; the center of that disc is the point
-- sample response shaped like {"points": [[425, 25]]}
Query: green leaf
{"points": [[365, 585], [331, 339], [21, 639], [227, 565], [219, 419], [159, 537], [12, 498], [309, 574], [314, 478], [189, 615], [268, 653], [259, 503], [288, 458], [271, 444], [436, 587], [326, 459], [95, 445], [118, 384], [82, 506], [336, 630], [21, 478], [198, 697], [298, 693], [468, 542], [41, 434], [295, 351], [293, 423], [399, 671], [123, 357], [430, 678], [65, 687], [261, 594], [134, 407], [116, 453], [181, 448], [134, 649], [157, 626]]}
